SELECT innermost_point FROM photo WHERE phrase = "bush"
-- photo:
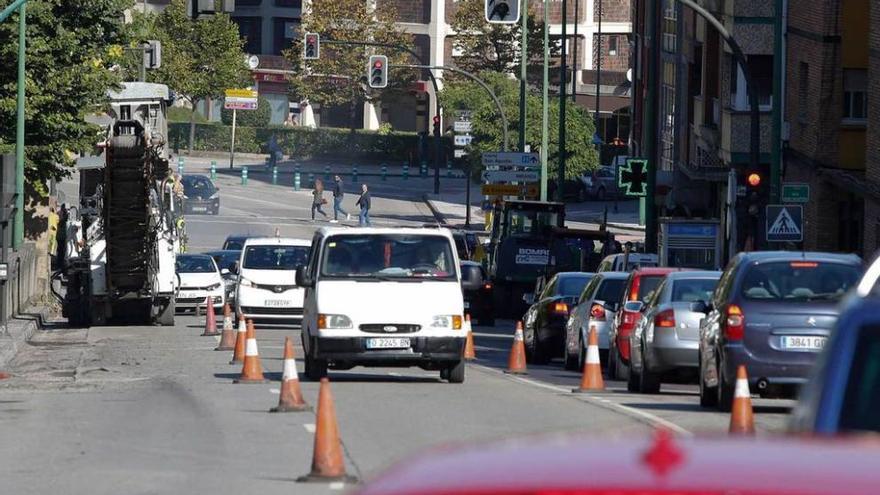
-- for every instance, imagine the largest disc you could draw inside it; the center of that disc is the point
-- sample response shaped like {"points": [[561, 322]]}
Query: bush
{"points": [[249, 118]]}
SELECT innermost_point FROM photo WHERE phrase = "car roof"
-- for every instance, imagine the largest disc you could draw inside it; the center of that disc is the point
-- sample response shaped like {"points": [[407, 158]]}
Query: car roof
{"points": [[663, 464], [575, 274], [695, 274], [194, 255], [656, 270], [470, 263], [220, 252], [763, 256], [613, 275], [276, 241]]}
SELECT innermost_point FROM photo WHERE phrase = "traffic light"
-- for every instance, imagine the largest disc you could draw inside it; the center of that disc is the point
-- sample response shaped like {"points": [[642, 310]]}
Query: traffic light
{"points": [[757, 188], [502, 11], [377, 71], [312, 46]]}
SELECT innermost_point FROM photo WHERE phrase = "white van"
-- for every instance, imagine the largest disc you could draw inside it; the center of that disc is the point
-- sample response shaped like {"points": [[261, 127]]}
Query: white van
{"points": [[614, 262], [267, 278], [383, 297]]}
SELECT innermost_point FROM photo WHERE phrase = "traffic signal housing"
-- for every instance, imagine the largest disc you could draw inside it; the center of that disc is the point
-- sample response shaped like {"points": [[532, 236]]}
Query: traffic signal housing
{"points": [[757, 183], [502, 11], [312, 46], [377, 71]]}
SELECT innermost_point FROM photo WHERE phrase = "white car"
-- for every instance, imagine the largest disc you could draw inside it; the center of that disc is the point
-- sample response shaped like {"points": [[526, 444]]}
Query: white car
{"points": [[267, 278], [199, 279], [383, 297], [614, 262]]}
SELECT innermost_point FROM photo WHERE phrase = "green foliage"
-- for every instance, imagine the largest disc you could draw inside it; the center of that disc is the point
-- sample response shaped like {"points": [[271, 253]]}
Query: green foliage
{"points": [[67, 76], [250, 118], [182, 114], [467, 95]]}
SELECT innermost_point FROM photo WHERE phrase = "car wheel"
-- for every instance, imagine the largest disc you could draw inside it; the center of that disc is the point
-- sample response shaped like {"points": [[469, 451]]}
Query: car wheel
{"points": [[634, 380], [612, 361], [315, 368], [708, 395], [725, 393], [582, 355], [600, 194], [569, 360], [582, 194], [621, 370], [649, 383], [539, 353], [455, 373]]}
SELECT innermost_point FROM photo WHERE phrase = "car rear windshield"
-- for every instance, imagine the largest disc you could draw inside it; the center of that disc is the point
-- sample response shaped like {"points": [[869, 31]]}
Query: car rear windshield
{"points": [[693, 289], [799, 281], [198, 186], [195, 264], [861, 402], [226, 260], [275, 257], [610, 290], [572, 286], [234, 244], [647, 285], [472, 274], [388, 256]]}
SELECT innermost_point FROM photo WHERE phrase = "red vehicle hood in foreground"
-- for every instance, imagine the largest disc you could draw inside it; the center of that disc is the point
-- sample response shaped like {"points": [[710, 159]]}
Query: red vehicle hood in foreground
{"points": [[577, 464]]}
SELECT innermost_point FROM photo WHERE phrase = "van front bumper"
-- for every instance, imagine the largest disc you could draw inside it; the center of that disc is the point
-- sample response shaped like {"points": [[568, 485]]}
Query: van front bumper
{"points": [[422, 351]]}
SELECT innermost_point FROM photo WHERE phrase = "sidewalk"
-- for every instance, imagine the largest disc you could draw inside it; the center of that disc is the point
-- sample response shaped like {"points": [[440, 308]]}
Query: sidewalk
{"points": [[19, 330]]}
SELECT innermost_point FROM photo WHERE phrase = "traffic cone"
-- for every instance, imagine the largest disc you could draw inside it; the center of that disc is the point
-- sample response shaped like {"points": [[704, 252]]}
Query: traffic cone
{"points": [[227, 339], [469, 353], [516, 363], [591, 380], [291, 399], [240, 342], [210, 319], [742, 419], [327, 461], [252, 370]]}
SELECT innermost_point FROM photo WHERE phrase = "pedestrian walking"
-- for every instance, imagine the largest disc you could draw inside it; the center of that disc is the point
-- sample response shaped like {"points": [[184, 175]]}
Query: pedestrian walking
{"points": [[338, 194], [364, 203], [318, 198]]}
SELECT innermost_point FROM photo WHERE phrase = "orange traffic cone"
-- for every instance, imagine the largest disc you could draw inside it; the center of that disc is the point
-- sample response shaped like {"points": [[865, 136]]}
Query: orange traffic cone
{"points": [[240, 342], [252, 370], [291, 399], [742, 419], [327, 461], [516, 363], [591, 381], [210, 319], [469, 352], [227, 339]]}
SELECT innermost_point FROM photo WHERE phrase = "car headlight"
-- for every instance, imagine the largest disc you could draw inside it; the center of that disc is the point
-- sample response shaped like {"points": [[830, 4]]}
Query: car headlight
{"points": [[214, 286], [215, 195], [447, 321], [245, 282], [333, 322]]}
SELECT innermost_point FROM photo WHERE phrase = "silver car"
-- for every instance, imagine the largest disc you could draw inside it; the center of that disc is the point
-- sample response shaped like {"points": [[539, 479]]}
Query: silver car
{"points": [[667, 338], [595, 308]]}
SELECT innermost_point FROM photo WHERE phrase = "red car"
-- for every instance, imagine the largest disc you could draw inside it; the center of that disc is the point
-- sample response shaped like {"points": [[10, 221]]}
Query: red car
{"points": [[639, 287], [664, 465]]}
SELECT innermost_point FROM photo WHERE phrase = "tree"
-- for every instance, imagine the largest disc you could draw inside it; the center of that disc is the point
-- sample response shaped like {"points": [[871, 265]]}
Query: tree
{"points": [[487, 130], [496, 47], [201, 58], [67, 77], [339, 76]]}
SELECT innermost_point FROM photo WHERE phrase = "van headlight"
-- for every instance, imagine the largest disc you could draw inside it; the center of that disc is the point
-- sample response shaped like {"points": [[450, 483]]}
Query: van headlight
{"points": [[333, 322], [214, 286], [245, 282], [447, 321]]}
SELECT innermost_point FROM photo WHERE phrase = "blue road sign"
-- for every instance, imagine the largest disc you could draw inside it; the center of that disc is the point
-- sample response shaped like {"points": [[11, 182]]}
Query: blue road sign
{"points": [[785, 223]]}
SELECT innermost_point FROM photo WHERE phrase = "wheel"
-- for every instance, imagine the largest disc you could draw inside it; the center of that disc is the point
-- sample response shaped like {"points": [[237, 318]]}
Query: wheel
{"points": [[455, 372], [582, 194], [582, 355], [569, 361], [315, 368], [634, 380], [612, 361], [535, 352], [708, 395], [649, 383], [600, 194], [621, 370], [165, 313], [725, 393]]}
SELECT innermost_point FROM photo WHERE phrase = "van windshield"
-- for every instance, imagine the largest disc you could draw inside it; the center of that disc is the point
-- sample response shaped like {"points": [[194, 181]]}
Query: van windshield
{"points": [[275, 257], [388, 256]]}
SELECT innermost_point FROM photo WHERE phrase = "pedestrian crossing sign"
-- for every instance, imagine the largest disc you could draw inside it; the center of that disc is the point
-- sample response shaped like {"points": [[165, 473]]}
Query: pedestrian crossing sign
{"points": [[785, 223]]}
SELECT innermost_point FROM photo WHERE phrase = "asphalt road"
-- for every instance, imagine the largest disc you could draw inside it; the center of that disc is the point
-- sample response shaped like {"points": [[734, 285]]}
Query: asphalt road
{"points": [[154, 410]]}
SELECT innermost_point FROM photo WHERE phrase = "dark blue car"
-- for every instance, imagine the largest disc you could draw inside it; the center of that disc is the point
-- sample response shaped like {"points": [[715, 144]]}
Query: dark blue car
{"points": [[771, 312]]}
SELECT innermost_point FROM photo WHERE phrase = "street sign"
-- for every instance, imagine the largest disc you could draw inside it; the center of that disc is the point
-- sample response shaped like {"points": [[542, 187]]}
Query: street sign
{"points": [[460, 153], [510, 176], [462, 115], [510, 159], [241, 99], [501, 190], [795, 193], [785, 223], [632, 178], [463, 140], [463, 126]]}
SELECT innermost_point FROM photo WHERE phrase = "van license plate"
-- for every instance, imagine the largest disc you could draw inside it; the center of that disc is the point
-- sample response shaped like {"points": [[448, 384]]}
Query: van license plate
{"points": [[199, 208], [805, 343], [276, 303], [387, 343]]}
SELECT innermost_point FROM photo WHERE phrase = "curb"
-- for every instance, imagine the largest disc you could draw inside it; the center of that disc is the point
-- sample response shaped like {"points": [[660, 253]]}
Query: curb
{"points": [[434, 211], [21, 328]]}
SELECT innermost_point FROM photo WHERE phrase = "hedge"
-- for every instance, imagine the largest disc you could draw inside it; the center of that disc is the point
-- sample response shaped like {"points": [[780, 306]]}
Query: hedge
{"points": [[303, 142]]}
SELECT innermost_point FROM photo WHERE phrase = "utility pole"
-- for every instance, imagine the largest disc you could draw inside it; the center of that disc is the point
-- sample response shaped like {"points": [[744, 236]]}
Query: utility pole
{"points": [[598, 72], [545, 119], [563, 83], [522, 75], [574, 58], [649, 136]]}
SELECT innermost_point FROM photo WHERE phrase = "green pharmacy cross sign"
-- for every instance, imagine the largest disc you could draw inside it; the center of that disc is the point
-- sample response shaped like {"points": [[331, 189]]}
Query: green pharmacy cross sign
{"points": [[632, 178]]}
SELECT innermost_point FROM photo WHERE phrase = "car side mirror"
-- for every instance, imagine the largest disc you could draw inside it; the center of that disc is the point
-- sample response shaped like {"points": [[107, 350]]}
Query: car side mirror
{"points": [[303, 279], [699, 307], [224, 272], [234, 268], [610, 306], [634, 306]]}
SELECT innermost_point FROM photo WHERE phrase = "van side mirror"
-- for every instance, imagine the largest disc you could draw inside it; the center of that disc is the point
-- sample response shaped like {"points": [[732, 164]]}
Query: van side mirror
{"points": [[234, 268], [699, 307], [303, 279], [224, 272]]}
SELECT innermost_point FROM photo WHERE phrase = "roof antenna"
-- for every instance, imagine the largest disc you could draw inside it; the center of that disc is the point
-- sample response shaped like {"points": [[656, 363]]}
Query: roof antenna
{"points": [[277, 232]]}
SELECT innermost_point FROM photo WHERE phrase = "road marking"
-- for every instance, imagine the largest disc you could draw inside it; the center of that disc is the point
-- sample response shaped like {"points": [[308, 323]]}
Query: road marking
{"points": [[337, 485], [651, 418], [275, 391], [310, 427], [217, 337], [493, 335]]}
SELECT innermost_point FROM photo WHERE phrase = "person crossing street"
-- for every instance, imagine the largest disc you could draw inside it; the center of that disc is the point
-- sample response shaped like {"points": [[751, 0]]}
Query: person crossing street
{"points": [[364, 203], [318, 198], [338, 194]]}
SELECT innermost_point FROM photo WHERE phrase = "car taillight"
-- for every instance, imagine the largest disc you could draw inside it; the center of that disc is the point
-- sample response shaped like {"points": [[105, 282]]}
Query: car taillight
{"points": [[665, 319], [597, 312], [629, 318], [735, 323], [560, 307], [487, 286]]}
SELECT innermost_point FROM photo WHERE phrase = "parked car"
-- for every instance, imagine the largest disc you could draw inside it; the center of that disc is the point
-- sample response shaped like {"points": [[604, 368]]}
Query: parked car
{"points": [[200, 279], [595, 309], [572, 189], [843, 393], [544, 322], [640, 286], [665, 465], [226, 262], [477, 291], [235, 242], [772, 312], [266, 278], [200, 195], [614, 262], [666, 339], [601, 184]]}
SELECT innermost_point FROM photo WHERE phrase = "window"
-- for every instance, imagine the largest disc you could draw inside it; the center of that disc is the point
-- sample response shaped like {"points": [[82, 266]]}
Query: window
{"points": [[694, 289], [855, 99], [572, 286], [799, 281], [195, 264], [248, 3], [611, 290], [275, 257], [589, 289], [297, 4], [612, 45], [803, 90], [762, 75], [285, 30], [251, 29], [388, 256]]}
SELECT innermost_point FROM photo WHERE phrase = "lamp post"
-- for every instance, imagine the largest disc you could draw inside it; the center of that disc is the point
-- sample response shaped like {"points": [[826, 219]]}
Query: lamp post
{"points": [[563, 83]]}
